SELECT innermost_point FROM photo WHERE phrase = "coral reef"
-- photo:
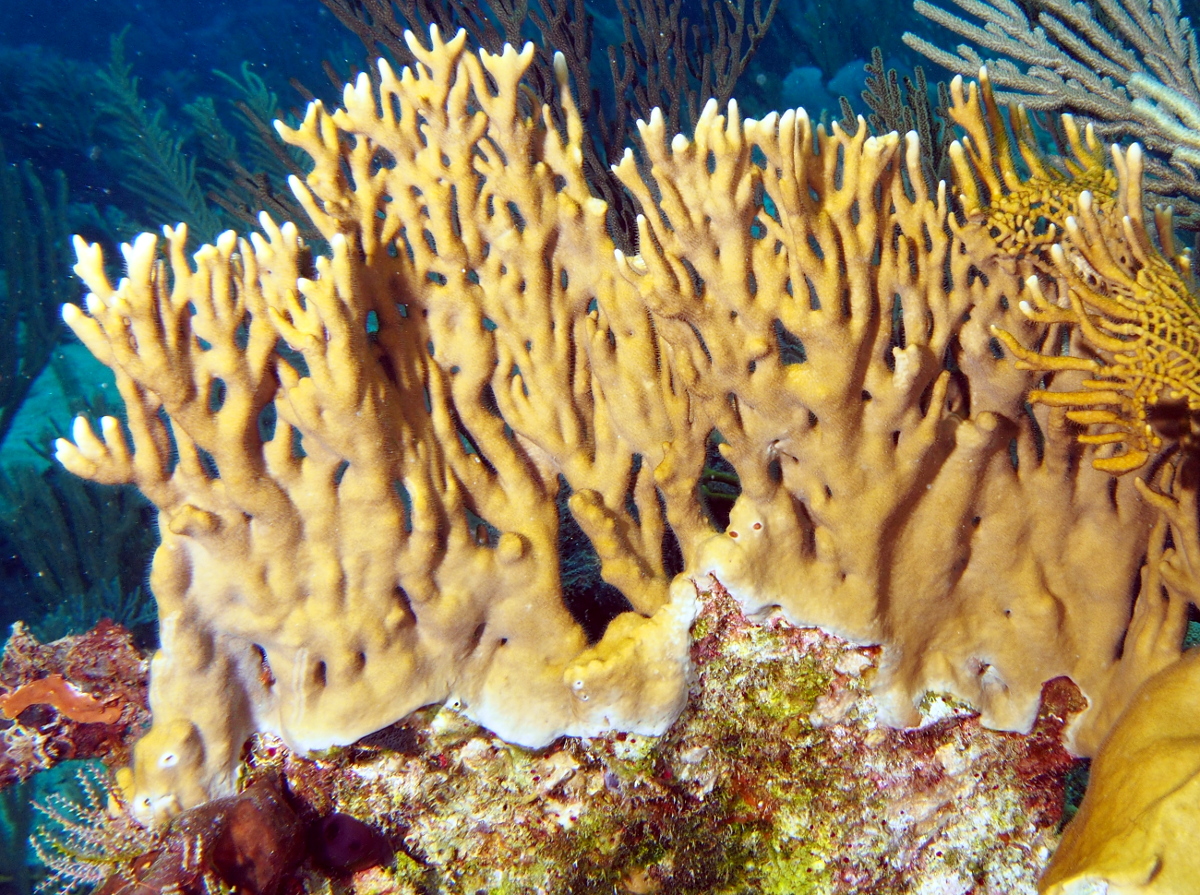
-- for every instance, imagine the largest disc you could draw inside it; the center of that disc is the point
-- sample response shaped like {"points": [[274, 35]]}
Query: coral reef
{"points": [[362, 464], [364, 521]]}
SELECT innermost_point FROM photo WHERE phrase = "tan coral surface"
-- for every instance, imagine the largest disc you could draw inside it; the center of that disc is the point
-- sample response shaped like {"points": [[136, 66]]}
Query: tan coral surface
{"points": [[358, 456], [1136, 831]]}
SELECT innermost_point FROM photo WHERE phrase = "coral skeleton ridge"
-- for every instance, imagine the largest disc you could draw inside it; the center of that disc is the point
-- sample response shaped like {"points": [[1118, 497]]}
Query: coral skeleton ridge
{"points": [[356, 456]]}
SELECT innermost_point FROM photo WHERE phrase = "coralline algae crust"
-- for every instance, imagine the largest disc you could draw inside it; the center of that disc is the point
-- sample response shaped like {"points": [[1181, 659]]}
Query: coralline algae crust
{"points": [[775, 779]]}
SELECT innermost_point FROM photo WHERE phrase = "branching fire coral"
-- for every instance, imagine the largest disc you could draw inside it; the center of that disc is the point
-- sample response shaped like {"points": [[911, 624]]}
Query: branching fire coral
{"points": [[357, 457]]}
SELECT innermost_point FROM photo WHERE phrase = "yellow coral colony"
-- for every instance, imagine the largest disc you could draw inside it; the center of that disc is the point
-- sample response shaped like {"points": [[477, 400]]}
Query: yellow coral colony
{"points": [[365, 522], [1117, 334], [1133, 329], [356, 456], [1136, 828]]}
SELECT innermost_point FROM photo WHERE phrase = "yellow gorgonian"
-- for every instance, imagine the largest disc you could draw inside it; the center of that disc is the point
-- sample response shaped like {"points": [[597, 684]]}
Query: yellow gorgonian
{"points": [[1138, 311]]}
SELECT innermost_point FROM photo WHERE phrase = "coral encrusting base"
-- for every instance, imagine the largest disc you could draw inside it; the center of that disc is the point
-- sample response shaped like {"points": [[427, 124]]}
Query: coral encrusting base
{"points": [[775, 779]]}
